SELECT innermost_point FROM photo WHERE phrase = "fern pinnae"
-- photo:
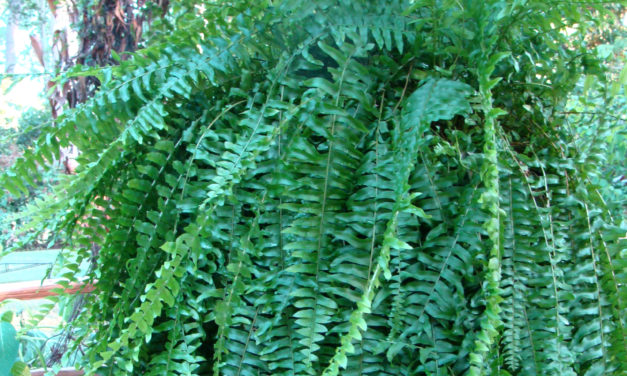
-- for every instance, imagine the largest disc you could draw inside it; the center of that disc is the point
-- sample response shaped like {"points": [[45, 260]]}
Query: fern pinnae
{"points": [[620, 306], [284, 290], [490, 177], [171, 343], [137, 128], [593, 259], [279, 311], [228, 305], [269, 263], [193, 157], [181, 178], [291, 342], [603, 343], [97, 170], [373, 237], [398, 300], [563, 368], [150, 189], [250, 332], [553, 257], [319, 247], [431, 292], [511, 353], [377, 135], [432, 185], [282, 69], [524, 308], [278, 167], [128, 238], [160, 290], [514, 353], [313, 323], [414, 124], [375, 212]]}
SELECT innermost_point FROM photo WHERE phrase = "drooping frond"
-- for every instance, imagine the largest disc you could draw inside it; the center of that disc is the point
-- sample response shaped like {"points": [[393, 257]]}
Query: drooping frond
{"points": [[343, 188]]}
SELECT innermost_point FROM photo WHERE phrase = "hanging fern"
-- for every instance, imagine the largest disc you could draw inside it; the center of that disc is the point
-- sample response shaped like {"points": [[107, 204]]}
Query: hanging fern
{"points": [[343, 187]]}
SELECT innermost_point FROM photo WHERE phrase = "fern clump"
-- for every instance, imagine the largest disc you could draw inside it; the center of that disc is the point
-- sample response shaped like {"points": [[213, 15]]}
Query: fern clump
{"points": [[344, 187]]}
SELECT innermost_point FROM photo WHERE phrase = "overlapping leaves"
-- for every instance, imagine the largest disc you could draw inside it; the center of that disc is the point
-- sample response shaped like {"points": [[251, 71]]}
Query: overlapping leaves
{"points": [[342, 188]]}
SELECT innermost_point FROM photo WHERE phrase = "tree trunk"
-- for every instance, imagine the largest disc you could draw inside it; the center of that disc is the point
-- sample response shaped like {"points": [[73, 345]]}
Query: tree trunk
{"points": [[10, 54]]}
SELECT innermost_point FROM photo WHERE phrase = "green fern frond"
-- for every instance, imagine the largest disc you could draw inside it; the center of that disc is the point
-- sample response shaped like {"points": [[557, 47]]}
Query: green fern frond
{"points": [[343, 187]]}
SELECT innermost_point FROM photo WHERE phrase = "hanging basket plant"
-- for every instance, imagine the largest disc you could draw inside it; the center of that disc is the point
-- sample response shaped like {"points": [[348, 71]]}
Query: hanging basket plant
{"points": [[344, 187]]}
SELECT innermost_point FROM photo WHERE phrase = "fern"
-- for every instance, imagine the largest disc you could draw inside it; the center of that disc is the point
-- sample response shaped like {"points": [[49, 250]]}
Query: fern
{"points": [[343, 187]]}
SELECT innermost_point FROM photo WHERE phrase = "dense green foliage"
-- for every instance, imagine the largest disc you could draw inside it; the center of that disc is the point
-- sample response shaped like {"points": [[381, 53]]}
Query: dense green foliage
{"points": [[346, 187]]}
